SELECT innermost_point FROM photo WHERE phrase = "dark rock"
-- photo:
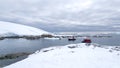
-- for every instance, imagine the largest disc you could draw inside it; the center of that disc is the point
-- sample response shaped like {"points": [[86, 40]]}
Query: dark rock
{"points": [[110, 51], [13, 56], [72, 47]]}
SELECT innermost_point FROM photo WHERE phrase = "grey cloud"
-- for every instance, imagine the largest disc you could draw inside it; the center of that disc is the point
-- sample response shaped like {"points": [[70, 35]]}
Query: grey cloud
{"points": [[51, 14]]}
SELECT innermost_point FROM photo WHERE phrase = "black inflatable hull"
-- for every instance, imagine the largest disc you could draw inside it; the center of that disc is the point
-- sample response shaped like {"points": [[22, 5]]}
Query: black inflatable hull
{"points": [[71, 39]]}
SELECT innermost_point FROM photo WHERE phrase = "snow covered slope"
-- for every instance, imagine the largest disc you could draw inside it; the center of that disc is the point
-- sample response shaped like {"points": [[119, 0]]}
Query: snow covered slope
{"points": [[72, 56], [11, 29]]}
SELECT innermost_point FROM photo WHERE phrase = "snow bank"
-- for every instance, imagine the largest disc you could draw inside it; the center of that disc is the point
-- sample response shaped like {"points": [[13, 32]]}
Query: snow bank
{"points": [[72, 56], [11, 29]]}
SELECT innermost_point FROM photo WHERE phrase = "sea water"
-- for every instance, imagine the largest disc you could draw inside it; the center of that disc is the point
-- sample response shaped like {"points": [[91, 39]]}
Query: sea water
{"points": [[11, 46]]}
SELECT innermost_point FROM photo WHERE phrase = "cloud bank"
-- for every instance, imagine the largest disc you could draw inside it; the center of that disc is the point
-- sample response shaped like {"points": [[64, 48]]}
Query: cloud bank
{"points": [[63, 15]]}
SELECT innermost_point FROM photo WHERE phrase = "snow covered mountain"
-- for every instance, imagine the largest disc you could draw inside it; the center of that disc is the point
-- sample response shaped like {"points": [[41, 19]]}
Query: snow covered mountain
{"points": [[12, 29], [73, 56]]}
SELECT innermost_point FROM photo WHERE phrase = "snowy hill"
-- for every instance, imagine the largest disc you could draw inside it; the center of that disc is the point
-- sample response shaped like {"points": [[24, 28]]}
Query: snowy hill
{"points": [[12, 29], [73, 56]]}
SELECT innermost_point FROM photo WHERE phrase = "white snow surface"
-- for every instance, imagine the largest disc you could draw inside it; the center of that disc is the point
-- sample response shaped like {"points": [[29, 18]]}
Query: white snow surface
{"points": [[72, 56], [12, 29]]}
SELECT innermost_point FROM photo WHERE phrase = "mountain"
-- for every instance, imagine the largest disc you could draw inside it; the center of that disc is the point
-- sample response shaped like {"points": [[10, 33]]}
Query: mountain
{"points": [[73, 56], [12, 29]]}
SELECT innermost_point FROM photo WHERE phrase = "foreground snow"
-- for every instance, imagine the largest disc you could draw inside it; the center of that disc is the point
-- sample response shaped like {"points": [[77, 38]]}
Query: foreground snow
{"points": [[12, 29], [72, 56]]}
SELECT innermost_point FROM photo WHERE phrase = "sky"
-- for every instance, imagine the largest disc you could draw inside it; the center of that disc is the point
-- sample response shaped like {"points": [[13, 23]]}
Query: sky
{"points": [[63, 15]]}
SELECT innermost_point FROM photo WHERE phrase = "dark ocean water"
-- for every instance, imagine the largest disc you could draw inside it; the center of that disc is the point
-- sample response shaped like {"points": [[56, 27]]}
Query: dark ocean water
{"points": [[9, 46]]}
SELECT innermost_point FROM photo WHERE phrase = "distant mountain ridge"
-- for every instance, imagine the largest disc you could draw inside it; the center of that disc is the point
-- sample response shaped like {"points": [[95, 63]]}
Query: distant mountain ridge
{"points": [[12, 29]]}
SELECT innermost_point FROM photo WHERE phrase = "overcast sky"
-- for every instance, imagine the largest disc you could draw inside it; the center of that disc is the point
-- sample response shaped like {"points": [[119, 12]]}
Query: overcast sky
{"points": [[63, 15]]}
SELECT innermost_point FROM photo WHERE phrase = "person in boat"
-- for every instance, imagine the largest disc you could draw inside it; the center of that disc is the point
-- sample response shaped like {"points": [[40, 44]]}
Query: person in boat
{"points": [[72, 38], [87, 41]]}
